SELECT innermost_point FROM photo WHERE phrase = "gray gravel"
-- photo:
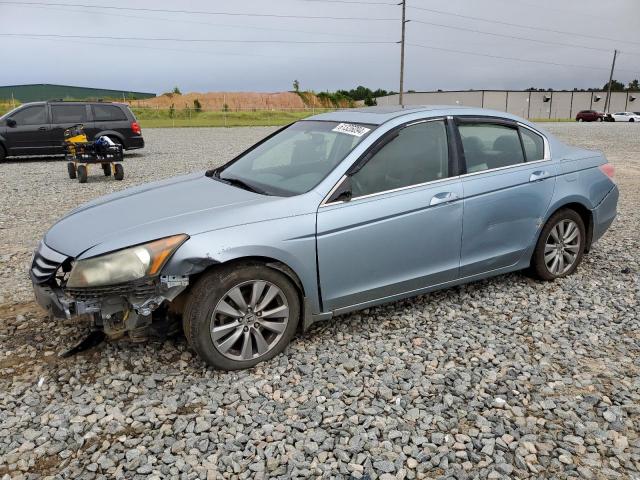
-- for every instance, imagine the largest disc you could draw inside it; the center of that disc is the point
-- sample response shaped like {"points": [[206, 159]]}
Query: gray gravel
{"points": [[503, 378]]}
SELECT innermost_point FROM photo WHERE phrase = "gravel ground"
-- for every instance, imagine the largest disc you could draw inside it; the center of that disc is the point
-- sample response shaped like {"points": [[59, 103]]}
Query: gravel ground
{"points": [[503, 378]]}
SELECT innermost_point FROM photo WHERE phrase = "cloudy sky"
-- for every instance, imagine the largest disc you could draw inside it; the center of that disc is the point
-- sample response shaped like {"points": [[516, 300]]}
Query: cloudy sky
{"points": [[463, 44]]}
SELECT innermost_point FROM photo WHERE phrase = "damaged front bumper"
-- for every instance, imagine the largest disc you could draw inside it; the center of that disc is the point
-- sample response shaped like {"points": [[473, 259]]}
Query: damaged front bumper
{"points": [[53, 301], [116, 308], [142, 297]]}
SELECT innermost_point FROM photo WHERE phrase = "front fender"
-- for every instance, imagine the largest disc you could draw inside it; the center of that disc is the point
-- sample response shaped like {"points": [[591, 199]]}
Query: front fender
{"points": [[289, 240]]}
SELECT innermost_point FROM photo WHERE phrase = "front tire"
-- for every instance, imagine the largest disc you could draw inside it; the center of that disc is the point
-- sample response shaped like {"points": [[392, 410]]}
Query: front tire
{"points": [[631, 120], [237, 317], [119, 172], [82, 173], [560, 246], [71, 170]]}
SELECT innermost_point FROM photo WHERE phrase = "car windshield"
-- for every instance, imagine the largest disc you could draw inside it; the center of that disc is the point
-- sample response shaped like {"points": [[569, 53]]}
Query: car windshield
{"points": [[296, 159], [9, 113]]}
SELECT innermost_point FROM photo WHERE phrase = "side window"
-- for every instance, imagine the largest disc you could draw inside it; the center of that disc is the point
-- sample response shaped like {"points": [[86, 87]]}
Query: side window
{"points": [[35, 115], [533, 145], [487, 146], [68, 113], [419, 154], [107, 113]]}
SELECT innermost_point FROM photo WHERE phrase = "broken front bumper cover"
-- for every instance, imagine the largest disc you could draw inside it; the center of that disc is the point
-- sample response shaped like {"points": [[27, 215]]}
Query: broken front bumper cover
{"points": [[53, 301], [142, 297]]}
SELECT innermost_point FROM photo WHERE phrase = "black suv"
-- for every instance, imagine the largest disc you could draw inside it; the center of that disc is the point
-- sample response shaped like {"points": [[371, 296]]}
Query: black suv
{"points": [[38, 128]]}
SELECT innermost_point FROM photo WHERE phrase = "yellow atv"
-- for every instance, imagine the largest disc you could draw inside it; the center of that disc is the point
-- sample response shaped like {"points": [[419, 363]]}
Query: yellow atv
{"points": [[80, 153]]}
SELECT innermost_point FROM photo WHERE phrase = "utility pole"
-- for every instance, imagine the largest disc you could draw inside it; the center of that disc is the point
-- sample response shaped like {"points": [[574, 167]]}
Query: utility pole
{"points": [[404, 22], [607, 103]]}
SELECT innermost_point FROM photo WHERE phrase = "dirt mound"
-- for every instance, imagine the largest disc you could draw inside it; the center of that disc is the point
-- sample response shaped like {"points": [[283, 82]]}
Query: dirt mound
{"points": [[233, 100], [236, 101]]}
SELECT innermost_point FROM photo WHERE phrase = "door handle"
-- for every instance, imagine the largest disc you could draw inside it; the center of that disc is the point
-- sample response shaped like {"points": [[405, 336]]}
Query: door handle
{"points": [[538, 175], [42, 128], [443, 197]]}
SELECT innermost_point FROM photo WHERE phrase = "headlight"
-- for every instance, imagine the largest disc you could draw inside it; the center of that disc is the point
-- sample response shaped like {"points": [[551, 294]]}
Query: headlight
{"points": [[124, 265]]}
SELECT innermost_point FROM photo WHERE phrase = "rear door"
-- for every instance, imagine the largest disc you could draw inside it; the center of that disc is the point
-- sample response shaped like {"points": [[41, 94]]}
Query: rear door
{"points": [[508, 186], [63, 116], [30, 134], [401, 230]]}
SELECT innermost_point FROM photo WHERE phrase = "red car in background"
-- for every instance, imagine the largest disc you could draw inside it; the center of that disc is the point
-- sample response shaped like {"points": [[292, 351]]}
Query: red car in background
{"points": [[589, 116]]}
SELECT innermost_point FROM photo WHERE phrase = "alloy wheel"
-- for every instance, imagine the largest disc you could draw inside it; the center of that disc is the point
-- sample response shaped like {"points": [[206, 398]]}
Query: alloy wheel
{"points": [[562, 247], [249, 320]]}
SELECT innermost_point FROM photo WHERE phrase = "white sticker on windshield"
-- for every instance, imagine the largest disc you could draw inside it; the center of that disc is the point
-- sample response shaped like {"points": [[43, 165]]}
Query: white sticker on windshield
{"points": [[351, 129]]}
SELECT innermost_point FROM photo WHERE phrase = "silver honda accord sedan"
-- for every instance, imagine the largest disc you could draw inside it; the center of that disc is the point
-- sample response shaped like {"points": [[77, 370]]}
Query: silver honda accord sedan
{"points": [[328, 215]]}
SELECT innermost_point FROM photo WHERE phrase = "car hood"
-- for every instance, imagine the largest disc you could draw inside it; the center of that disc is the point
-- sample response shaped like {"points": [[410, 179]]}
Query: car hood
{"points": [[189, 204]]}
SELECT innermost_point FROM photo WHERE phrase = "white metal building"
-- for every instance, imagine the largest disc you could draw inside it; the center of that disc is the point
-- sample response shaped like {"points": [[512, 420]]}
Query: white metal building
{"points": [[535, 105]]}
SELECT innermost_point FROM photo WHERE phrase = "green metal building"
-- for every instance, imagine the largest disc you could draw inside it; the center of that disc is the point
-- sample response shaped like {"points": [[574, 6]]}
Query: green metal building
{"points": [[46, 91]]}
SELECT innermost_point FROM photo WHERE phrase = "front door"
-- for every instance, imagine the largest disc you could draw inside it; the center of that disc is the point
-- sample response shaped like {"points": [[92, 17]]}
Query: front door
{"points": [[27, 132], [401, 230], [507, 190]]}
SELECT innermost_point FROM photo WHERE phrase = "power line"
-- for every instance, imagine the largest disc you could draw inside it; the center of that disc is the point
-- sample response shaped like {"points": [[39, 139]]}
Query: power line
{"points": [[538, 6], [209, 53], [198, 12], [543, 62], [359, 2], [194, 40], [515, 37], [196, 22], [519, 25]]}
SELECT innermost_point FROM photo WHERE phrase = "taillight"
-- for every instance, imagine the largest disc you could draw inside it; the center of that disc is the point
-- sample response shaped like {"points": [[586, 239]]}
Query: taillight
{"points": [[608, 170], [135, 128]]}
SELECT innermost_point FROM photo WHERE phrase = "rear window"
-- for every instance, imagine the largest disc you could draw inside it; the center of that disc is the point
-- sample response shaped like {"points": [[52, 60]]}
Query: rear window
{"points": [[487, 146], [68, 113], [533, 145], [106, 113]]}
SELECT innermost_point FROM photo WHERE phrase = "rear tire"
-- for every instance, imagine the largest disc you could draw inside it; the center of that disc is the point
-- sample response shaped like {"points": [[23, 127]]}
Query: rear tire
{"points": [[119, 172], [106, 168], [3, 153], [631, 120], [560, 246], [71, 169], [224, 318], [82, 173]]}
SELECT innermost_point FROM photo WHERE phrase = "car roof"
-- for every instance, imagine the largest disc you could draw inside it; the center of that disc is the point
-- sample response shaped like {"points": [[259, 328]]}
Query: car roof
{"points": [[44, 102], [381, 114]]}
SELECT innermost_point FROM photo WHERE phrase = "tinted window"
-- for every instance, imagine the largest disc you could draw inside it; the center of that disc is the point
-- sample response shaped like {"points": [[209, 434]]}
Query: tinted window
{"points": [[106, 113], [296, 159], [68, 113], [30, 116], [533, 145], [488, 146], [418, 154]]}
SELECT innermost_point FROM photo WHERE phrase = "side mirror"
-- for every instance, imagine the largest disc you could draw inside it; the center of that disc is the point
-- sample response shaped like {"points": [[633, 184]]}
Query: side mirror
{"points": [[11, 122], [343, 192]]}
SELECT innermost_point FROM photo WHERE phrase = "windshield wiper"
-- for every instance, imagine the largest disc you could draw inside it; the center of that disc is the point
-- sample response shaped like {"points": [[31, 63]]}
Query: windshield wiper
{"points": [[241, 183]]}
